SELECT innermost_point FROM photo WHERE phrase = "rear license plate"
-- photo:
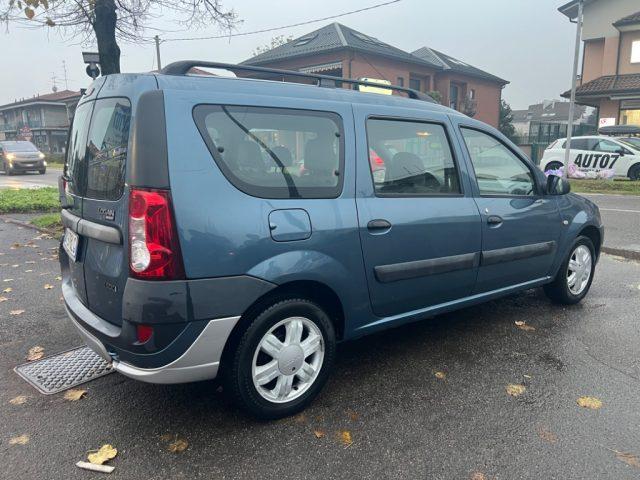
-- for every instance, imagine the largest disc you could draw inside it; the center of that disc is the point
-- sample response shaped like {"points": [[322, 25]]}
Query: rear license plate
{"points": [[70, 243]]}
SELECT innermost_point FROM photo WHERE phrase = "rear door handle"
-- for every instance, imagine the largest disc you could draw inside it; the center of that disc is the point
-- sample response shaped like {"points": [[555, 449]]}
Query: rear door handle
{"points": [[494, 220], [378, 224]]}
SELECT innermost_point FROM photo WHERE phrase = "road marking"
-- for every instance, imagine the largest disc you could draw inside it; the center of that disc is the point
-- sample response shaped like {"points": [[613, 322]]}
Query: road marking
{"points": [[618, 210]]}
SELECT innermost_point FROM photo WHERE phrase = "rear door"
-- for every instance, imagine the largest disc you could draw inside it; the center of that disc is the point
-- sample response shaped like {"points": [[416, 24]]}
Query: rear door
{"points": [[419, 226]]}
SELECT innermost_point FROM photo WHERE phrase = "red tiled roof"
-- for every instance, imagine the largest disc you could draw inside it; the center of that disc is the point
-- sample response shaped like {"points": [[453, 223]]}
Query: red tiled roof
{"points": [[47, 97], [609, 84], [628, 20]]}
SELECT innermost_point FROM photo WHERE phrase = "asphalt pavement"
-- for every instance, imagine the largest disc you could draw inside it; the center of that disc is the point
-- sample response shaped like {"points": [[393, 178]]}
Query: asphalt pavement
{"points": [[403, 421], [31, 179]]}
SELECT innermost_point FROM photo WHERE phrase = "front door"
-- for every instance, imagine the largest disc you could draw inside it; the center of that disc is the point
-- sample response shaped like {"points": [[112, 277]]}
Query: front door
{"points": [[520, 225], [419, 226]]}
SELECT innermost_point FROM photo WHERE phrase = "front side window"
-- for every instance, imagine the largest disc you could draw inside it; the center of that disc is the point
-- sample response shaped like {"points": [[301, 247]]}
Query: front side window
{"points": [[607, 146], [275, 152], [498, 170], [411, 159], [582, 144]]}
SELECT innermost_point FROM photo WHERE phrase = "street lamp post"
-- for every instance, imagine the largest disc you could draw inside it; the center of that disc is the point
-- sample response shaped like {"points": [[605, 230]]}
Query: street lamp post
{"points": [[574, 79]]}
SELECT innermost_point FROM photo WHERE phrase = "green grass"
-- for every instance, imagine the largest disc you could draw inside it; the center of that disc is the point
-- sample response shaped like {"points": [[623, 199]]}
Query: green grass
{"points": [[621, 187], [49, 221], [29, 200], [55, 160]]}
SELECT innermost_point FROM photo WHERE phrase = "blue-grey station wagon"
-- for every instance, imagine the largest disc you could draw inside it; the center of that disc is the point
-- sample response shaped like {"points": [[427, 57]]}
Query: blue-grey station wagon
{"points": [[240, 227]]}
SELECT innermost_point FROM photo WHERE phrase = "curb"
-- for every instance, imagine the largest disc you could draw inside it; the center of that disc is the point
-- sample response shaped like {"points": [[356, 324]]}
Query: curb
{"points": [[620, 252], [31, 226]]}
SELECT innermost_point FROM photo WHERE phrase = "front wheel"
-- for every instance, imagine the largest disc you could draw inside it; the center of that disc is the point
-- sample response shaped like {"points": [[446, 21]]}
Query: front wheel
{"points": [[554, 166], [42, 171], [282, 360], [574, 278], [7, 169], [634, 172]]}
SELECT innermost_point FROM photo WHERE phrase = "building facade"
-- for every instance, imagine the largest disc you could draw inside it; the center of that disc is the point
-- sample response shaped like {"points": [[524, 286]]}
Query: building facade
{"points": [[338, 50], [610, 77], [42, 119]]}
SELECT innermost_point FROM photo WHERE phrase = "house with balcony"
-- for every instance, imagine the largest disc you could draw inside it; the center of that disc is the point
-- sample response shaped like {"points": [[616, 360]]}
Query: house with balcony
{"points": [[42, 119], [610, 77], [338, 50]]}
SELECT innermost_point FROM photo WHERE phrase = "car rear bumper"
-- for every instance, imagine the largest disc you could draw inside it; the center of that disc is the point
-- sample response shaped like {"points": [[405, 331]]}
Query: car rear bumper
{"points": [[200, 360]]}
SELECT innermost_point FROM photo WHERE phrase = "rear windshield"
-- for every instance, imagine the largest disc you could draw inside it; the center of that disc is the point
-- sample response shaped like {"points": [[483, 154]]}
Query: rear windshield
{"points": [[97, 149], [273, 152], [18, 147]]}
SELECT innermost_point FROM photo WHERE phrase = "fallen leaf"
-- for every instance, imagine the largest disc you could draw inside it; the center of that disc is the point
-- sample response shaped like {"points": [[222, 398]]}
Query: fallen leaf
{"points": [[547, 435], [104, 453], [15, 266], [30, 261], [345, 438], [28, 271], [35, 353], [478, 476], [440, 375], [589, 402], [8, 280], [19, 400], [58, 277], [3, 299], [74, 394], [515, 390], [319, 433], [7, 290], [523, 326], [21, 440], [178, 446], [353, 415], [47, 286], [628, 458], [165, 437], [300, 418], [16, 312]]}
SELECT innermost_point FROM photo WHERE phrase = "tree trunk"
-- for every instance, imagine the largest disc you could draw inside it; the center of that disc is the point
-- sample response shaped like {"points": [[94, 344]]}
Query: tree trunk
{"points": [[105, 30]]}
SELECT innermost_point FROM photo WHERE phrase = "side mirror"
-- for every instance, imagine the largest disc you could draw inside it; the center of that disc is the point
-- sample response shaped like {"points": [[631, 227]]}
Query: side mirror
{"points": [[557, 185]]}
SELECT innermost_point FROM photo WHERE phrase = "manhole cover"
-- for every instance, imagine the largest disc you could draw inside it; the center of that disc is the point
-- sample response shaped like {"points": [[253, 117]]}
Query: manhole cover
{"points": [[64, 370]]}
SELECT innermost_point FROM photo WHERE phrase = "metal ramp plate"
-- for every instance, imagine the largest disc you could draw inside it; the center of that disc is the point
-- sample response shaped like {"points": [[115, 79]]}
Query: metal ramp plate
{"points": [[65, 370]]}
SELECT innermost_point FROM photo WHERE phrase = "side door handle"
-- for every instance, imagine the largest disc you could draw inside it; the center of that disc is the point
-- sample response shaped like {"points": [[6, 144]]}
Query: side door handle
{"points": [[494, 220], [378, 224]]}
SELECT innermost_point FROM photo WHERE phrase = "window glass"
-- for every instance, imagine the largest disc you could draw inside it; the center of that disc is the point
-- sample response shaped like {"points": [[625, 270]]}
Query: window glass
{"points": [[273, 152], [19, 146], [107, 148], [498, 170], [582, 143], [415, 84], [635, 51], [607, 146], [411, 158], [75, 165]]}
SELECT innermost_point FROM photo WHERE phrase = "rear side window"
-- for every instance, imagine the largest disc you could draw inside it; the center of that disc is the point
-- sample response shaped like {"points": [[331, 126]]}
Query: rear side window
{"points": [[274, 152], [411, 159], [582, 143], [97, 151]]}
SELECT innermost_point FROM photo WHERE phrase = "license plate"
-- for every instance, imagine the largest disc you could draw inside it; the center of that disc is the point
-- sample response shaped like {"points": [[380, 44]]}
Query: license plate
{"points": [[70, 243]]}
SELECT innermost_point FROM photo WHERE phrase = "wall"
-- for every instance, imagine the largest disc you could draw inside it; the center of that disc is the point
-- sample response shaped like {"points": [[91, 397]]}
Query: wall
{"points": [[592, 63], [55, 116], [609, 109], [601, 14], [626, 40], [488, 95]]}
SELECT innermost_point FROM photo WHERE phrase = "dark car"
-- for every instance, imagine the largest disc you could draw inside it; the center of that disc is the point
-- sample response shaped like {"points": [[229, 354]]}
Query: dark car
{"points": [[238, 228], [21, 156]]}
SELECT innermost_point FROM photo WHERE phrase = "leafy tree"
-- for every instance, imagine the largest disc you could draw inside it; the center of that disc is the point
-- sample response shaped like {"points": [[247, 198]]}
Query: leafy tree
{"points": [[506, 120], [436, 95], [275, 42], [108, 21]]}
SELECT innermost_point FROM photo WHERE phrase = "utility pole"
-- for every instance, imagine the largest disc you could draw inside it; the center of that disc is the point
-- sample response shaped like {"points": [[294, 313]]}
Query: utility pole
{"points": [[157, 39], [574, 80], [66, 80]]}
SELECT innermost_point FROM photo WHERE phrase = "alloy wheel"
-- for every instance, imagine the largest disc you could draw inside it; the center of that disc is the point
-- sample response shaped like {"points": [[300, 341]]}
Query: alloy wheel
{"points": [[579, 269]]}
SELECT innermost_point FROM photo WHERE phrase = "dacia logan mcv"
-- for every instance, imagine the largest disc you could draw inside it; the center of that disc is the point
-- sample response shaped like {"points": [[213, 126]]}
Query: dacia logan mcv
{"points": [[234, 227]]}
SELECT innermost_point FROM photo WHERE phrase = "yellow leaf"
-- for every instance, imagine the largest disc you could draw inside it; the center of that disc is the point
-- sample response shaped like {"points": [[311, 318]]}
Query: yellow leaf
{"points": [[106, 452], [178, 445], [47, 286], [523, 326], [440, 375], [353, 415], [21, 440], [3, 299], [35, 353], [74, 394], [58, 277], [628, 458], [16, 312], [345, 438], [29, 13], [515, 390], [7, 290], [589, 402], [19, 400], [478, 476], [319, 433]]}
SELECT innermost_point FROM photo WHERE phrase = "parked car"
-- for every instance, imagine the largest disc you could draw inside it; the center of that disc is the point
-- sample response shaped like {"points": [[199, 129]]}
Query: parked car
{"points": [[595, 153], [21, 156], [193, 251]]}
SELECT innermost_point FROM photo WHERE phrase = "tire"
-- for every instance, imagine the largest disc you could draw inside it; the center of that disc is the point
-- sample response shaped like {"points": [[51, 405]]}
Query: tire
{"points": [[560, 291], [7, 170], [42, 171], [553, 166], [248, 355], [634, 172]]}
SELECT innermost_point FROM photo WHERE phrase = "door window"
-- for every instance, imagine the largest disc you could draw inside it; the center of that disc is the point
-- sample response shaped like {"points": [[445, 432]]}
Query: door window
{"points": [[607, 146], [582, 143], [75, 165], [411, 159], [498, 170]]}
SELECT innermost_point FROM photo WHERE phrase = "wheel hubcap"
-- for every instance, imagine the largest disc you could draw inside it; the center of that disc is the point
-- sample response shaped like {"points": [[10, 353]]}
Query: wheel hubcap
{"points": [[579, 270], [288, 359]]}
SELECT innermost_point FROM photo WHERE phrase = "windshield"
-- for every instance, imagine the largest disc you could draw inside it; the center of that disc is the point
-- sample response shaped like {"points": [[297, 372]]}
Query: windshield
{"points": [[633, 142], [19, 147]]}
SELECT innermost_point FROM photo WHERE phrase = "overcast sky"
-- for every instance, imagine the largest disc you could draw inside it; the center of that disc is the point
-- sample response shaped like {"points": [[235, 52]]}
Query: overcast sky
{"points": [[527, 42]]}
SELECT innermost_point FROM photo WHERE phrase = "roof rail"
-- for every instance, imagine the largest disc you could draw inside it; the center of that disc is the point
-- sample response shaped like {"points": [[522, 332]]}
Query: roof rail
{"points": [[182, 68]]}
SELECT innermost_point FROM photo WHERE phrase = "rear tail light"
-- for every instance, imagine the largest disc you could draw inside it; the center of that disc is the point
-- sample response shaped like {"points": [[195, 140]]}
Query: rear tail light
{"points": [[154, 251], [143, 333]]}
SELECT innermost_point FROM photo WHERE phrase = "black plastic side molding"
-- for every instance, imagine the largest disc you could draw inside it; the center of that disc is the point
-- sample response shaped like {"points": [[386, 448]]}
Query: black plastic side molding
{"points": [[147, 164]]}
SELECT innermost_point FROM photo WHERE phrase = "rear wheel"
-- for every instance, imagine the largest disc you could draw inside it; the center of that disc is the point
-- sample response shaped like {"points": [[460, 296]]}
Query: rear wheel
{"points": [[282, 360], [574, 278], [634, 172]]}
